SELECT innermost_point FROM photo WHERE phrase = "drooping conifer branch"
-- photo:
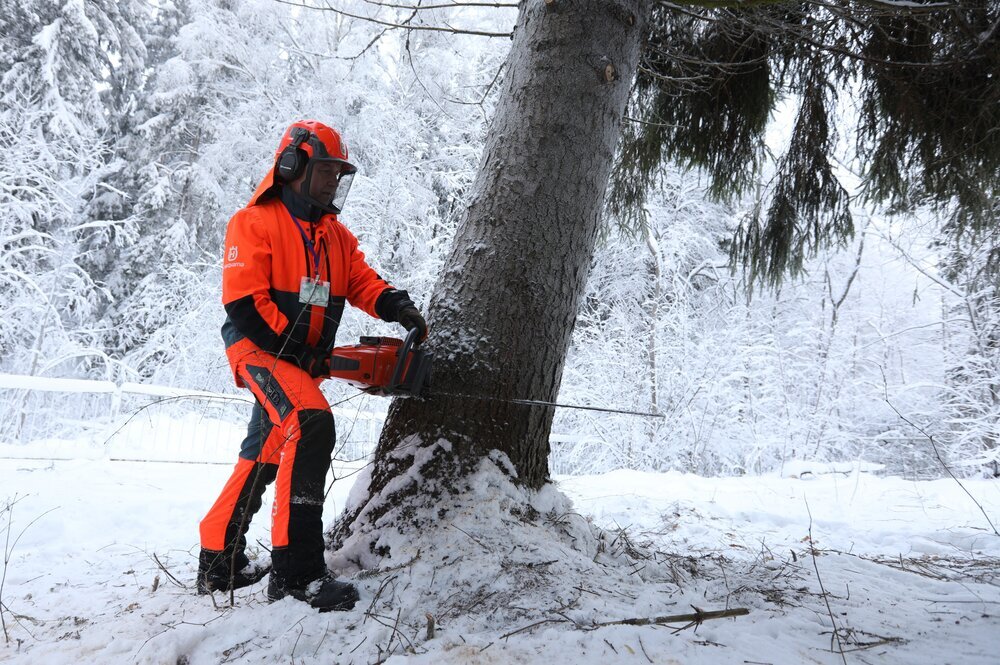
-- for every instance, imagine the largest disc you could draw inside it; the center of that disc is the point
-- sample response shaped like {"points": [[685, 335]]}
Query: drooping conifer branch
{"points": [[925, 78]]}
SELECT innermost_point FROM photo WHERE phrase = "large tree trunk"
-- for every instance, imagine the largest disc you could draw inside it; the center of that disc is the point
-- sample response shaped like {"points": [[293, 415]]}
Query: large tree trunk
{"points": [[503, 309]]}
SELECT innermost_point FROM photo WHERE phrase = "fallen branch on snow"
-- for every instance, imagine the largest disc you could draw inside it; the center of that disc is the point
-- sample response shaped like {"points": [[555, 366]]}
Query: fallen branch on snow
{"points": [[691, 619], [697, 617]]}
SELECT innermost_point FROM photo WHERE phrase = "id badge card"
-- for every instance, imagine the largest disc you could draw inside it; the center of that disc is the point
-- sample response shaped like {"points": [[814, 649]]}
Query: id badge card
{"points": [[314, 292]]}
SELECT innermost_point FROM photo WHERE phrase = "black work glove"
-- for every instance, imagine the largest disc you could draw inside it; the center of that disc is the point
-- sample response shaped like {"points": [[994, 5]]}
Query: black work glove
{"points": [[410, 318], [315, 362]]}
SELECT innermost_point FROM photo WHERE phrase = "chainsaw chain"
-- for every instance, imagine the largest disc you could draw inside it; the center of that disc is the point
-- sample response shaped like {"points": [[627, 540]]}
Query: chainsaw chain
{"points": [[536, 402]]}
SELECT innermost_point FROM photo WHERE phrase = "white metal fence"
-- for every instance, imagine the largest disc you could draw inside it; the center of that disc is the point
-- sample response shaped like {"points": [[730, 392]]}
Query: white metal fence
{"points": [[48, 418], [52, 418]]}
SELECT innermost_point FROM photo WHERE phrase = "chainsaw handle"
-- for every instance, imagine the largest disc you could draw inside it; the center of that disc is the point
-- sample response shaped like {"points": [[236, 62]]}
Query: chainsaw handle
{"points": [[404, 351]]}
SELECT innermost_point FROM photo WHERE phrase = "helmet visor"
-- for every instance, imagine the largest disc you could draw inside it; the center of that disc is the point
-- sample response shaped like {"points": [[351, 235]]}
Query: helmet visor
{"points": [[328, 182]]}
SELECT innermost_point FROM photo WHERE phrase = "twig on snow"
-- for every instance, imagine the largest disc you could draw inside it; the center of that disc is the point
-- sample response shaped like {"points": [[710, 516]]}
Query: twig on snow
{"points": [[18, 617], [375, 572], [241, 646], [322, 639], [363, 640], [471, 537], [812, 551], [8, 551], [457, 610], [530, 626], [167, 572], [643, 647], [396, 633], [378, 595], [297, 637]]}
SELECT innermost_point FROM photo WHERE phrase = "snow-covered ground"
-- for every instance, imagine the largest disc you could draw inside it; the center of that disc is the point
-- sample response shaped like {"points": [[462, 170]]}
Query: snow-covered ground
{"points": [[103, 567]]}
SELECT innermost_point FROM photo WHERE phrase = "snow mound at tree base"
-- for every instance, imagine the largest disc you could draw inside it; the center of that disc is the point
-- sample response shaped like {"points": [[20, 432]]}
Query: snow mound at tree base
{"points": [[481, 554]]}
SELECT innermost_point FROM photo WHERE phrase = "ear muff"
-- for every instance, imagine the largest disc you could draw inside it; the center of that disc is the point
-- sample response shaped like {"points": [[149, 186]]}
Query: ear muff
{"points": [[293, 159]]}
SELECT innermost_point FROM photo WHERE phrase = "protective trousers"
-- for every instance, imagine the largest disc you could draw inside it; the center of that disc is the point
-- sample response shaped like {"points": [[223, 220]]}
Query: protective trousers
{"points": [[290, 440]]}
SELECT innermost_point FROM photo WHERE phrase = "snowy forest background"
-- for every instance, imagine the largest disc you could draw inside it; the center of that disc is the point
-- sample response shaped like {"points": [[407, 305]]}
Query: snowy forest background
{"points": [[131, 131]]}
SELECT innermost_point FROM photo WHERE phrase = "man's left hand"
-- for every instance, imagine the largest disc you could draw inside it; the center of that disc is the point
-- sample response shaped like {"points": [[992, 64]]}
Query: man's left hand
{"points": [[410, 318]]}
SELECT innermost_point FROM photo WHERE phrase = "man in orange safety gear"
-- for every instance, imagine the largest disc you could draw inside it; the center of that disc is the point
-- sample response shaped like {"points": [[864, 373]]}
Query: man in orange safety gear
{"points": [[289, 267]]}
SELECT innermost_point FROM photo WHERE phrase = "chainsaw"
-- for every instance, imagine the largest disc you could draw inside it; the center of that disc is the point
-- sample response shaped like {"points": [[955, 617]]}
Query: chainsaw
{"points": [[384, 365], [393, 366]]}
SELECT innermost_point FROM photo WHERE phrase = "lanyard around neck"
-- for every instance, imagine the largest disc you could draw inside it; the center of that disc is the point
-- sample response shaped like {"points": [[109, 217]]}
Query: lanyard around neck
{"points": [[310, 245]]}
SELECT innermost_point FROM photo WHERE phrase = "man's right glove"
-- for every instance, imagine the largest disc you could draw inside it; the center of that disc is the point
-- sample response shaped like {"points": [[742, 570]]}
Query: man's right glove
{"points": [[410, 318], [315, 362]]}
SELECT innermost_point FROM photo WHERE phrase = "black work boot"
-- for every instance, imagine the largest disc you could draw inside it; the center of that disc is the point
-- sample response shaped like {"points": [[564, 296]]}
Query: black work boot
{"points": [[214, 572], [325, 593]]}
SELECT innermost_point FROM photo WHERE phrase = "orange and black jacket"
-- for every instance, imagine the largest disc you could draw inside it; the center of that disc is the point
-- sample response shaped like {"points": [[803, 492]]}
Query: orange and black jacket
{"points": [[266, 256]]}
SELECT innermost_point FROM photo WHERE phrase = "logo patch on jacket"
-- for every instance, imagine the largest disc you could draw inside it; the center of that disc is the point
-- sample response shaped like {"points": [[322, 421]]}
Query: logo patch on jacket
{"points": [[231, 256]]}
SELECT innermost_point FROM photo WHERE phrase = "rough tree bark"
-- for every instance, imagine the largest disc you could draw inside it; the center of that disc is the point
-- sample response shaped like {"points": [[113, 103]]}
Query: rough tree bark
{"points": [[503, 309]]}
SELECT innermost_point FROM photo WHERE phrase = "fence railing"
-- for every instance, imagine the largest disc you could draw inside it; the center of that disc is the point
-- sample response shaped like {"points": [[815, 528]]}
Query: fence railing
{"points": [[55, 418]]}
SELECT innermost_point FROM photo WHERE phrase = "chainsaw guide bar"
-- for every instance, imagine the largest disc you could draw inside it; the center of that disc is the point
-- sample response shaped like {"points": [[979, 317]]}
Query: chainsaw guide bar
{"points": [[392, 366]]}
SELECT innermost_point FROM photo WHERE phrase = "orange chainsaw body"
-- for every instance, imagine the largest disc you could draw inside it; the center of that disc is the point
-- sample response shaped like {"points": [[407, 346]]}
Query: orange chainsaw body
{"points": [[383, 366]]}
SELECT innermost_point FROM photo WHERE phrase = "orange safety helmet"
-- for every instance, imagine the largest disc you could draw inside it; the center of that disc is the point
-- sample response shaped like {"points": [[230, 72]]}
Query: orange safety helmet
{"points": [[305, 144]]}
